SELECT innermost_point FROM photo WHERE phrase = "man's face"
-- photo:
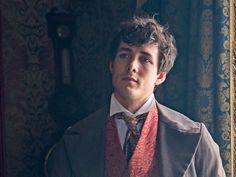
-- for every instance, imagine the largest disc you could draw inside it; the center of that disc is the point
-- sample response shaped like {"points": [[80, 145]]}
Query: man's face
{"points": [[134, 72]]}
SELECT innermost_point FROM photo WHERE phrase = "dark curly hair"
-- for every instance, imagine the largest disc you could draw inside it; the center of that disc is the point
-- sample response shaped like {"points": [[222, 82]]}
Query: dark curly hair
{"points": [[138, 31]]}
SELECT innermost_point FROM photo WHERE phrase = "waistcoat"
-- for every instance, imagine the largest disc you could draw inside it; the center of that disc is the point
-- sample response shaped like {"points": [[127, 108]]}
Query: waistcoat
{"points": [[143, 160]]}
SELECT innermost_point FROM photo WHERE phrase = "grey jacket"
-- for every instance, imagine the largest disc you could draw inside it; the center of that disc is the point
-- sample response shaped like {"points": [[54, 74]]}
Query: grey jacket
{"points": [[185, 148]]}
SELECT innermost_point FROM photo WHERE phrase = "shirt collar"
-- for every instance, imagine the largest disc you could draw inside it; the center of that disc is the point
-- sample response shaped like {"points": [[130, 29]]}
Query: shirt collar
{"points": [[116, 107]]}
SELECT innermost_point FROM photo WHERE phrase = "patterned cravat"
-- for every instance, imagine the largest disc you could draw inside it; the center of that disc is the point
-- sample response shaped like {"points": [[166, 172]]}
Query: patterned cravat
{"points": [[133, 134]]}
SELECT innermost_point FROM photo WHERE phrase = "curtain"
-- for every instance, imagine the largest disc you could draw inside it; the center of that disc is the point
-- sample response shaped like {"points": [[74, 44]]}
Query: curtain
{"points": [[233, 107], [233, 82], [199, 83]]}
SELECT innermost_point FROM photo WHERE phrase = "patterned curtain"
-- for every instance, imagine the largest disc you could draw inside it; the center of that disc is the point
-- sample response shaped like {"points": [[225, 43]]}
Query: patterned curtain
{"points": [[199, 84], [233, 81]]}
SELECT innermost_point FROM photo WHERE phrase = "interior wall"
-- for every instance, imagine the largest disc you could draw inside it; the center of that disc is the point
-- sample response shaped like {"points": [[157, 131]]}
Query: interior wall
{"points": [[29, 73], [2, 131]]}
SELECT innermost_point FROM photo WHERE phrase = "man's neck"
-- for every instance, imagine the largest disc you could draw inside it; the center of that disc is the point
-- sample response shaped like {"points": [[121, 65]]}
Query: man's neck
{"points": [[131, 105]]}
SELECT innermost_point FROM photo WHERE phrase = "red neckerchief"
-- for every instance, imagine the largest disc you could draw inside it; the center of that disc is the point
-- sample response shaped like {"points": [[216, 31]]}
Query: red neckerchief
{"points": [[142, 160]]}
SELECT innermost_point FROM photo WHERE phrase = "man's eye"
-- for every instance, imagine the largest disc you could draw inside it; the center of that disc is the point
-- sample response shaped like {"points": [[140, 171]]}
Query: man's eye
{"points": [[124, 56], [145, 59]]}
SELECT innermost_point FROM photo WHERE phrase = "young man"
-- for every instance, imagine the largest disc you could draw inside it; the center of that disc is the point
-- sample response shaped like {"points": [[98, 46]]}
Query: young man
{"points": [[135, 135]]}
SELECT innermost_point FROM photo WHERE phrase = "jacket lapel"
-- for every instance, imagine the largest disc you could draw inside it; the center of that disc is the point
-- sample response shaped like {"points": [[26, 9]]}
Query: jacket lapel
{"points": [[85, 145], [177, 141]]}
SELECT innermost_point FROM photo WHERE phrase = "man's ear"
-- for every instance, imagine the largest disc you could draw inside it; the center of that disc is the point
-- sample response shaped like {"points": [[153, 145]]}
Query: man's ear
{"points": [[111, 66], [161, 77]]}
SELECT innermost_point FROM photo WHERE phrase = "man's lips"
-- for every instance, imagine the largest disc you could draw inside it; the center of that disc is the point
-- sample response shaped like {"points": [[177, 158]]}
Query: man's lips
{"points": [[129, 78]]}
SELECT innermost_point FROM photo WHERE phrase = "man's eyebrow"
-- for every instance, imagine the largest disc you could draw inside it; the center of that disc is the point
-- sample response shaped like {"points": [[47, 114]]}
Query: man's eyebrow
{"points": [[124, 49], [146, 53]]}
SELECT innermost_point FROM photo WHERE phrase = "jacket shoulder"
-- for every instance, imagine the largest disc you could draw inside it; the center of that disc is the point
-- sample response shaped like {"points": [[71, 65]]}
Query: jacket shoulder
{"points": [[178, 121], [90, 122]]}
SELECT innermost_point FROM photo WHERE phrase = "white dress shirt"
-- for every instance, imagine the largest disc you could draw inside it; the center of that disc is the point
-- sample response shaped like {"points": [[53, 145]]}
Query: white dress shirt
{"points": [[116, 107]]}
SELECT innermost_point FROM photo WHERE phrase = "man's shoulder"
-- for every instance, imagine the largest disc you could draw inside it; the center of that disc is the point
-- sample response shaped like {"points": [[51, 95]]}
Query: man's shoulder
{"points": [[90, 122], [177, 120]]}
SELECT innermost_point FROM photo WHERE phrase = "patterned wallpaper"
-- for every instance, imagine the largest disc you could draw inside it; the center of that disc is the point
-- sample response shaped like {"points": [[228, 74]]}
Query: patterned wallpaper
{"points": [[29, 78], [28, 71]]}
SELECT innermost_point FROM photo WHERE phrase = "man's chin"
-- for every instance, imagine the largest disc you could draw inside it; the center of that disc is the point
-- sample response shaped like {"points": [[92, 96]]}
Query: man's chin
{"points": [[131, 94], [128, 91]]}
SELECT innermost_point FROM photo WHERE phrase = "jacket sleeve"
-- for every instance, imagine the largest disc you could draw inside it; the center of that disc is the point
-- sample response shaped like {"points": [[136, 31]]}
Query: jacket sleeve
{"points": [[58, 164], [207, 159]]}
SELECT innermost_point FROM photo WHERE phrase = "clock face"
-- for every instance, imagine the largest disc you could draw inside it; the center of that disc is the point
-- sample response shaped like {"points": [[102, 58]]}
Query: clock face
{"points": [[63, 31]]}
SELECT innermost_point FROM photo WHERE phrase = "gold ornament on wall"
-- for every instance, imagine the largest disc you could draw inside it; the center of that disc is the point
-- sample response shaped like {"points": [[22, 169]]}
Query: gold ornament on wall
{"points": [[233, 84]]}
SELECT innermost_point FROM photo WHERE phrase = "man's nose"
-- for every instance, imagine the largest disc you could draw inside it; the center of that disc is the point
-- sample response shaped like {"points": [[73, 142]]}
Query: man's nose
{"points": [[133, 65]]}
